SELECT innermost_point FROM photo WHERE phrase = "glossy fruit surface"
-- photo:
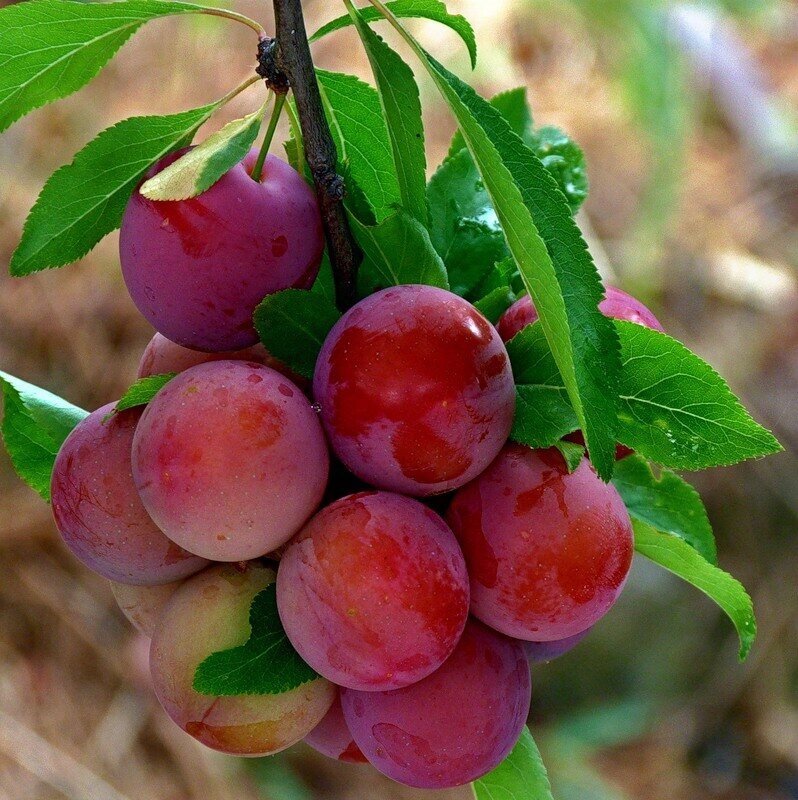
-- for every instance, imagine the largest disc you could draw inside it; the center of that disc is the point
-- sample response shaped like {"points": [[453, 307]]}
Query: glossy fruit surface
{"points": [[332, 737], [209, 613], [197, 268], [97, 509], [230, 460], [548, 552], [416, 390], [453, 726], [373, 592], [616, 304]]}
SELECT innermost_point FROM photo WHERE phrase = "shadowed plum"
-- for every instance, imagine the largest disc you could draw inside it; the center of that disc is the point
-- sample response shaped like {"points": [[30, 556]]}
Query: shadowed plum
{"points": [[373, 592], [197, 268], [331, 737], [548, 552], [416, 390], [208, 613], [616, 304], [453, 726], [97, 509], [161, 356], [143, 605], [230, 460], [541, 652]]}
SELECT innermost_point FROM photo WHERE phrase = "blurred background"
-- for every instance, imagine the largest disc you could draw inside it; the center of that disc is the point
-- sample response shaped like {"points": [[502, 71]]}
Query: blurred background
{"points": [[687, 114]]}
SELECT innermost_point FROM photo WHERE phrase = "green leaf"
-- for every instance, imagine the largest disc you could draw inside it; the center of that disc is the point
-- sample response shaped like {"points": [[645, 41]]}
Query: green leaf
{"points": [[495, 303], [551, 256], [142, 391], [425, 9], [674, 408], [685, 561], [197, 170], [325, 283], [564, 159], [464, 227], [51, 48], [560, 154], [293, 325], [35, 424], [266, 664], [668, 504], [396, 251], [401, 107], [521, 776], [514, 107], [543, 414], [85, 200], [572, 453], [358, 127], [677, 411]]}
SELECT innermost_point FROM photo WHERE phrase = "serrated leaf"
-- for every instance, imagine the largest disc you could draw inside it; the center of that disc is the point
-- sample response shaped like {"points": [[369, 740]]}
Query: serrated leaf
{"points": [[572, 453], [85, 200], [142, 391], [401, 107], [564, 159], [35, 424], [558, 152], [397, 251], [203, 165], [51, 48], [551, 256], [677, 411], [674, 408], [668, 504], [542, 416], [361, 137], [266, 664], [423, 9], [293, 325], [521, 776], [493, 304], [513, 105], [685, 561]]}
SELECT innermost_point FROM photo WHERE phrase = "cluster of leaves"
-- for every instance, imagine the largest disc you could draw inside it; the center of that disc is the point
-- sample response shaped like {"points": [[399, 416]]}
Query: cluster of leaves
{"points": [[496, 220]]}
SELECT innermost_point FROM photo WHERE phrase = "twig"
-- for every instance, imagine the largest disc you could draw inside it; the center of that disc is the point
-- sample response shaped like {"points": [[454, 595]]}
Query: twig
{"points": [[286, 61]]}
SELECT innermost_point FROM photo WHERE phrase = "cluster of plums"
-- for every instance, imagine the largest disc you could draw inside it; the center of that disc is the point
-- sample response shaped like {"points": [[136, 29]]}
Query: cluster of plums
{"points": [[238, 475]]}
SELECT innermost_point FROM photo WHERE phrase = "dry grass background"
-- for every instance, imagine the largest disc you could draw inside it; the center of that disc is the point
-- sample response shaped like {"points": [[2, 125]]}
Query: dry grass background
{"points": [[77, 718]]}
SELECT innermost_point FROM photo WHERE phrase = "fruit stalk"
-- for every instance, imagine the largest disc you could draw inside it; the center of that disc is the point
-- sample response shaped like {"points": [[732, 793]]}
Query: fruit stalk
{"points": [[291, 57]]}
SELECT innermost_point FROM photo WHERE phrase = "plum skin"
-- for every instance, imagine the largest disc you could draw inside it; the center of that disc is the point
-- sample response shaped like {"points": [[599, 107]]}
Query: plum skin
{"points": [[548, 552], [143, 605], [209, 613], [332, 737], [98, 511], [230, 459], [373, 592], [416, 390], [453, 726], [197, 268], [542, 652], [616, 304]]}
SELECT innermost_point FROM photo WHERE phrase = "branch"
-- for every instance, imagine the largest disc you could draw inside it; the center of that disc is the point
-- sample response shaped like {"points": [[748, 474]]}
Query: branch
{"points": [[286, 62]]}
